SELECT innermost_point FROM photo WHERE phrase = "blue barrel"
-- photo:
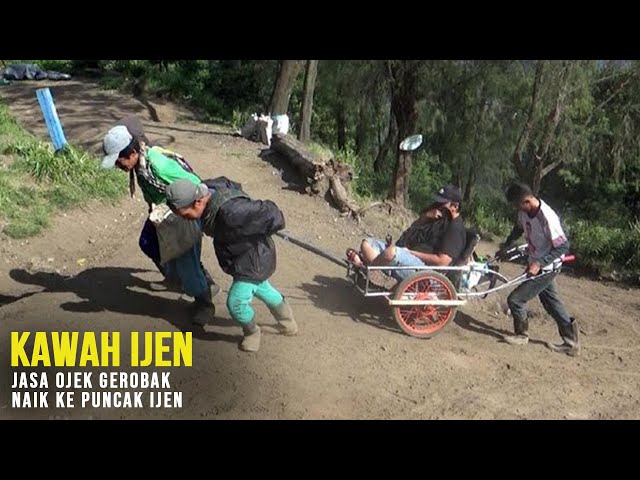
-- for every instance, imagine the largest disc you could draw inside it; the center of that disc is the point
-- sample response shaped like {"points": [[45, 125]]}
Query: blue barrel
{"points": [[51, 118]]}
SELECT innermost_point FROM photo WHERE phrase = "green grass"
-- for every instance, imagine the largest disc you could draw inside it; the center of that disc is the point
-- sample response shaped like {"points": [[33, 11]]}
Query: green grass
{"points": [[491, 224], [24, 211], [601, 249], [9, 128], [320, 150], [39, 182]]}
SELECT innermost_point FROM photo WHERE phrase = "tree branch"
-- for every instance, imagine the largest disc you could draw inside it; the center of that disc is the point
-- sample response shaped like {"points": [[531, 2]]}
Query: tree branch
{"points": [[554, 116], [528, 126], [549, 168], [608, 99], [552, 124]]}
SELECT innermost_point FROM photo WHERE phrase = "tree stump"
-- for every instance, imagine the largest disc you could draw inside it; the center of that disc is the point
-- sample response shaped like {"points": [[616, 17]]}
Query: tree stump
{"points": [[325, 178]]}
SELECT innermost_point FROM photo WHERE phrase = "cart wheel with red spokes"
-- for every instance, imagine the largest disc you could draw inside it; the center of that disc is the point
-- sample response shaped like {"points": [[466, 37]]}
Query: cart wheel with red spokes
{"points": [[424, 321]]}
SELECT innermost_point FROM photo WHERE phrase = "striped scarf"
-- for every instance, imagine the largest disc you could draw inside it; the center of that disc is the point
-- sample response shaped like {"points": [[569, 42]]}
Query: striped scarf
{"points": [[143, 170]]}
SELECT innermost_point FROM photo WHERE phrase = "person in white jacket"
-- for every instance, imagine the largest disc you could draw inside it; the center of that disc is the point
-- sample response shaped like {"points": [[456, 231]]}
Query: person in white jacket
{"points": [[547, 245]]}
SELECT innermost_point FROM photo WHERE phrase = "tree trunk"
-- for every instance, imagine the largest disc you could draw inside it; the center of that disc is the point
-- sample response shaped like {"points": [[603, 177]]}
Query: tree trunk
{"points": [[323, 178], [308, 164], [400, 191], [553, 119], [404, 105], [307, 100], [471, 181], [341, 125], [283, 87], [389, 141], [361, 129], [517, 159]]}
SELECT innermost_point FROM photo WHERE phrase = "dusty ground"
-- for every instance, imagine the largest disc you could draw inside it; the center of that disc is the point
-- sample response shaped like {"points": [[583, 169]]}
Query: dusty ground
{"points": [[86, 273]]}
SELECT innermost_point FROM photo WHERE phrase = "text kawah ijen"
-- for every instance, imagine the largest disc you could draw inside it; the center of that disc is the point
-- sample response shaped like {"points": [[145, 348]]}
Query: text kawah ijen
{"points": [[71, 349]]}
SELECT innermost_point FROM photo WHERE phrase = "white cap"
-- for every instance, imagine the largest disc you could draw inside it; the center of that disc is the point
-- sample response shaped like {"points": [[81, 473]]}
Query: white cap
{"points": [[116, 140]]}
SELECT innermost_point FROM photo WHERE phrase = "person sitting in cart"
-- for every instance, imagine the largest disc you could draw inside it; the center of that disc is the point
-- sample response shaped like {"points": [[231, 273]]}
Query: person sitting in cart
{"points": [[437, 238]]}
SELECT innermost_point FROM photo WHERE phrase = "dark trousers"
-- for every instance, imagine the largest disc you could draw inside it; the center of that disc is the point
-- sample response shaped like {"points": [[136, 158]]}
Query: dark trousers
{"points": [[543, 287]]}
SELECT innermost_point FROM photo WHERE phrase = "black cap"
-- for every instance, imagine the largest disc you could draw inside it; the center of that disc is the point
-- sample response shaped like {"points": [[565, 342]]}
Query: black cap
{"points": [[448, 193]]}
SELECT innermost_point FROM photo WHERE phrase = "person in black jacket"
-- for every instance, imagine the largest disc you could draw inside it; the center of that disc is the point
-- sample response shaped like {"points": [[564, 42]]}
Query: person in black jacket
{"points": [[241, 229]]}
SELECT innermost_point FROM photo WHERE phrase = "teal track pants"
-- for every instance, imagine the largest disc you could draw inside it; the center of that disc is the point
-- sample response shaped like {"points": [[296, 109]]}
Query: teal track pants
{"points": [[241, 295]]}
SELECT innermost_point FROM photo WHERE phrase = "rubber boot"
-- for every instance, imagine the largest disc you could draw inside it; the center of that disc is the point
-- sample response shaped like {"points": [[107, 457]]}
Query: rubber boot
{"points": [[570, 343], [521, 329], [251, 340], [284, 316], [203, 309]]}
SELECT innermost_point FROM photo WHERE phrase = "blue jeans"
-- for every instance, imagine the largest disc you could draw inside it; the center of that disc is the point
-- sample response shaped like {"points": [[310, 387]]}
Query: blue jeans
{"points": [[186, 269], [403, 258]]}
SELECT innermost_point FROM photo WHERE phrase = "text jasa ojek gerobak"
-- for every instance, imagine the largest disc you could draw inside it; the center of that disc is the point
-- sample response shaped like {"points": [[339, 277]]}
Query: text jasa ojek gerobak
{"points": [[74, 349]]}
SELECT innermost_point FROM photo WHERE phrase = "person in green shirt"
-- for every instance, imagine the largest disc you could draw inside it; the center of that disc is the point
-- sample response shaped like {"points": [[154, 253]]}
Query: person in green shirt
{"points": [[153, 168]]}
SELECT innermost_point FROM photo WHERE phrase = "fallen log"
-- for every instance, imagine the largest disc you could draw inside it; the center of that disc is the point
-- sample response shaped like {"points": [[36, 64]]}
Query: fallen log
{"points": [[299, 156], [325, 178]]}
